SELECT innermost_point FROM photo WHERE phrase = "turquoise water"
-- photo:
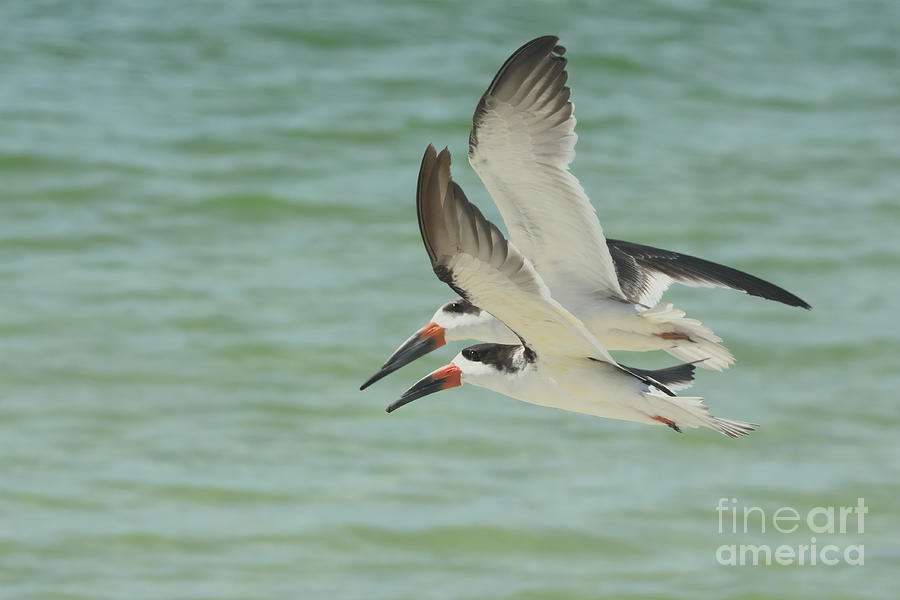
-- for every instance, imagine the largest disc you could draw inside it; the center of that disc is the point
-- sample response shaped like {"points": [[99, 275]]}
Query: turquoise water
{"points": [[209, 242]]}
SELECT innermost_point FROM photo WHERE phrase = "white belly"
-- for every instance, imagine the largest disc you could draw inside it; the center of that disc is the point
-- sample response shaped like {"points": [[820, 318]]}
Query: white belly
{"points": [[619, 326], [581, 386]]}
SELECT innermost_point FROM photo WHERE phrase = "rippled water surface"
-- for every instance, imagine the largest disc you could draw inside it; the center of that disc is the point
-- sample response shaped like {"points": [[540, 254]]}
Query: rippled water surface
{"points": [[209, 242]]}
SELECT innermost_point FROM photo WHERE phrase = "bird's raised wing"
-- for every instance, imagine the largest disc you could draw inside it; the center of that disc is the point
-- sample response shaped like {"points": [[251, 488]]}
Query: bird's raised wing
{"points": [[471, 255], [522, 141], [646, 272]]}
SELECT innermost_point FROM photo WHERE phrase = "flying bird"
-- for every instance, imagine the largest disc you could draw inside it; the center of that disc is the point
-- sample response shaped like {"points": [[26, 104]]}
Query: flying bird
{"points": [[521, 144], [557, 362]]}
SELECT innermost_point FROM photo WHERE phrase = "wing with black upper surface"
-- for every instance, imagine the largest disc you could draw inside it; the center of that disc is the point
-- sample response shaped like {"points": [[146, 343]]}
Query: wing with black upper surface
{"points": [[646, 272]]}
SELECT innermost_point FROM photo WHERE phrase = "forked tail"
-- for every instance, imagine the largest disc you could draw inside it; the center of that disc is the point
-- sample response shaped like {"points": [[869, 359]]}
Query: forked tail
{"points": [[689, 411]]}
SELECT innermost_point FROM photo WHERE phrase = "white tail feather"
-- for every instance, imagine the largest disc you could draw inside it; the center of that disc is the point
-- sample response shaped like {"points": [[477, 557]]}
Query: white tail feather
{"points": [[702, 346], [689, 411], [733, 427]]}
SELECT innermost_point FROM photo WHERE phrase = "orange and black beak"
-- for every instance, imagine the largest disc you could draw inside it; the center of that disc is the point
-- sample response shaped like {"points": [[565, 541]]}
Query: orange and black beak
{"points": [[430, 337], [444, 378]]}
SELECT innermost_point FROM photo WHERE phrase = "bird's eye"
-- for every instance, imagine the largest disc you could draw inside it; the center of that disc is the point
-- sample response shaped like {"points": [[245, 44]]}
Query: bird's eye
{"points": [[457, 306]]}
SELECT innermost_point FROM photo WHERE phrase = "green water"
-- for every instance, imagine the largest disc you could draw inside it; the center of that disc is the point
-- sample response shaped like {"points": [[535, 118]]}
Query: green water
{"points": [[209, 241]]}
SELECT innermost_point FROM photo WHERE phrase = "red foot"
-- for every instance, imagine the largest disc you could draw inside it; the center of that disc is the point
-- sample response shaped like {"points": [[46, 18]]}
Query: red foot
{"points": [[668, 422], [671, 335]]}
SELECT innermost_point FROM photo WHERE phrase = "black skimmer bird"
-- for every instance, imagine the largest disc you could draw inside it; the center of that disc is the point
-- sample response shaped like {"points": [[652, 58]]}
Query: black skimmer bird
{"points": [[557, 362], [521, 143]]}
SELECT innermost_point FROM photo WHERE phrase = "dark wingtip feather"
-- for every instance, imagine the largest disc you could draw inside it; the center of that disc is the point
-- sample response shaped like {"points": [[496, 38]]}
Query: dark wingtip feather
{"points": [[643, 375], [686, 268], [426, 169], [525, 61], [434, 177], [683, 373], [539, 46]]}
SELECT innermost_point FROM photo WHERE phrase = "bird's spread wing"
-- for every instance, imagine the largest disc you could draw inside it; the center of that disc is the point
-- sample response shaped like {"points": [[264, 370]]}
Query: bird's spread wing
{"points": [[645, 273], [522, 141], [471, 255]]}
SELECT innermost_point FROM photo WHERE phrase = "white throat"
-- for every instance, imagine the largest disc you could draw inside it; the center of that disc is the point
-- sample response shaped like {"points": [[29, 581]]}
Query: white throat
{"points": [[468, 326]]}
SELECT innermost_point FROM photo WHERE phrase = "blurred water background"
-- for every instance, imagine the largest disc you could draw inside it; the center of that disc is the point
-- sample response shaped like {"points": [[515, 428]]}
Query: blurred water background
{"points": [[209, 241]]}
